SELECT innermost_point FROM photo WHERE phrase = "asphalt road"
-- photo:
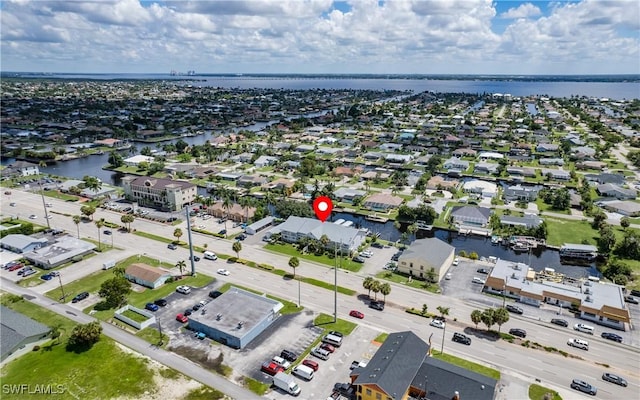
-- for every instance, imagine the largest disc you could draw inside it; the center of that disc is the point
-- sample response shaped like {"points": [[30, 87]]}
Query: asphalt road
{"points": [[509, 358]]}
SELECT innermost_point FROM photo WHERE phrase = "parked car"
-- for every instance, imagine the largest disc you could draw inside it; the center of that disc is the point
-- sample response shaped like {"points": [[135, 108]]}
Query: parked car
{"points": [[377, 305], [223, 271], [160, 302], [345, 389], [271, 368], [29, 272], [377, 245], [518, 332], [46, 277], [24, 270], [182, 318], [366, 254], [515, 309], [151, 307], [281, 361], [456, 261], [327, 347], [214, 294], [578, 343], [172, 246], [482, 271], [460, 338], [80, 297], [16, 266], [311, 364], [437, 323], [222, 232], [478, 280], [187, 312], [288, 355], [33, 216], [184, 289], [611, 336], [358, 259], [631, 299], [584, 387], [320, 353], [196, 258], [618, 380], [356, 314], [196, 307], [357, 364], [561, 322], [241, 236], [335, 333]]}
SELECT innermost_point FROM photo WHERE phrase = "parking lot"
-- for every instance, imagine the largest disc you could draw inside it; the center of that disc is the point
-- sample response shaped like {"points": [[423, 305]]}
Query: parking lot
{"points": [[461, 284]]}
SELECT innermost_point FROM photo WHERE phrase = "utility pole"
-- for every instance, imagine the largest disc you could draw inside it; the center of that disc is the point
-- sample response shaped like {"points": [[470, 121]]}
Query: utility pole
{"points": [[44, 204], [193, 265], [444, 332], [160, 342], [335, 279], [61, 288], [299, 302]]}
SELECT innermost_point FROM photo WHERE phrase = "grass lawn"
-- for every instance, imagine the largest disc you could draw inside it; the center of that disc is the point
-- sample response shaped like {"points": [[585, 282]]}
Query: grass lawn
{"points": [[90, 283], [152, 335], [560, 231], [542, 206], [204, 393], [381, 338], [134, 316], [325, 321], [62, 196], [289, 250], [537, 392], [104, 371], [403, 279], [466, 364]]}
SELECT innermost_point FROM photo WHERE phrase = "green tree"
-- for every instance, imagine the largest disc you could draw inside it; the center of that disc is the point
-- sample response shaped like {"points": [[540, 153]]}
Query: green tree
{"points": [[55, 333], [629, 246], [76, 220], [294, 263], [625, 222], [115, 291], [128, 220], [375, 288], [237, 247], [385, 289], [500, 317], [83, 337], [177, 233], [181, 265], [99, 225], [115, 159], [88, 211], [607, 239], [598, 218], [425, 308], [488, 317], [92, 183], [226, 204], [476, 317], [444, 311], [367, 284]]}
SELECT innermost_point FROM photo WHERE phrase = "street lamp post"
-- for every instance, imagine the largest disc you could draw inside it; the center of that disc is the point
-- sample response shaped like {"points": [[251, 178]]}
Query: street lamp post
{"points": [[444, 332], [504, 291], [299, 302], [44, 204]]}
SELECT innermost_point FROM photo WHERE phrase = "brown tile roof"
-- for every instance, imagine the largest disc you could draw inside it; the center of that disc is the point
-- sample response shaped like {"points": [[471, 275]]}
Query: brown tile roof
{"points": [[146, 272]]}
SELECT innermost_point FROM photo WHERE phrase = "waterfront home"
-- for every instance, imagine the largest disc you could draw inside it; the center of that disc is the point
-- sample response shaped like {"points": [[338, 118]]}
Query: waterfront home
{"points": [[137, 159], [375, 174], [438, 182], [464, 152], [382, 201], [612, 190], [249, 181], [583, 165], [522, 172], [488, 155], [486, 168], [528, 221], [558, 174], [398, 158], [343, 239], [278, 184], [523, 193], [551, 161], [471, 215], [21, 168], [480, 187], [347, 171], [456, 164], [348, 195], [165, 194], [425, 254], [617, 179]]}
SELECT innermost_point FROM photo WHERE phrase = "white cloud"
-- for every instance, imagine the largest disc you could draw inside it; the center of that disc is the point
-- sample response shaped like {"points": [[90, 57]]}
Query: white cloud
{"points": [[397, 36], [526, 10]]}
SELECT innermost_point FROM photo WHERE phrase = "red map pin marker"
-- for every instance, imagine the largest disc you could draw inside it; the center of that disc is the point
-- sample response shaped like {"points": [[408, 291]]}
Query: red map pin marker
{"points": [[322, 206]]}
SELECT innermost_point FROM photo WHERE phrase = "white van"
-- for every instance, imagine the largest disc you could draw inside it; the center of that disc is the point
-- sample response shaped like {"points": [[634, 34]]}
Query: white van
{"points": [[303, 372], [584, 328], [333, 340], [210, 255]]}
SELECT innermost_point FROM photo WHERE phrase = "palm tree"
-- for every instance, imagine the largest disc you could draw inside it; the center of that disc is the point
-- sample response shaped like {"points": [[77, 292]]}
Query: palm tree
{"points": [[476, 317], [368, 281], [177, 233], [375, 287], [500, 316], [76, 220], [127, 219], [181, 265], [385, 289], [443, 311], [92, 183], [237, 247], [245, 202], [294, 263], [226, 204], [99, 225]]}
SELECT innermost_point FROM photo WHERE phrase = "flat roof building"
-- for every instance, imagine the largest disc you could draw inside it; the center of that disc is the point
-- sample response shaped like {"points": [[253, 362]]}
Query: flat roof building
{"points": [[60, 252], [236, 317]]}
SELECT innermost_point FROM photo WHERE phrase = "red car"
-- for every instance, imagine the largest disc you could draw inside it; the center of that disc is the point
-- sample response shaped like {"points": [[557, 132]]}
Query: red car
{"points": [[182, 318], [271, 368], [328, 347], [311, 364], [16, 266], [356, 313]]}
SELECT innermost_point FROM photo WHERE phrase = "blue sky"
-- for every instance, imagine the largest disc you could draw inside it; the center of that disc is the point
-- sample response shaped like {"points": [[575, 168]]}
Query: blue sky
{"points": [[322, 36]]}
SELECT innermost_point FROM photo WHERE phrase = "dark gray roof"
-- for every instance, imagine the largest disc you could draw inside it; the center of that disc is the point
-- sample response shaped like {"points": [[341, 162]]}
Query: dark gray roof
{"points": [[395, 364], [15, 327], [443, 380]]}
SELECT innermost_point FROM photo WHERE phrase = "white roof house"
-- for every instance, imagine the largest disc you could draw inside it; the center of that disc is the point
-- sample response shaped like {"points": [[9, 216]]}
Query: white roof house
{"points": [[136, 160], [484, 188]]}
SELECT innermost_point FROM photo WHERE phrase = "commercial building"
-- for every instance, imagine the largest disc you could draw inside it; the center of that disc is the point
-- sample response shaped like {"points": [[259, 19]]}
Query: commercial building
{"points": [[19, 243], [236, 317], [403, 369], [63, 250], [164, 194], [342, 238], [598, 302], [425, 254], [146, 275]]}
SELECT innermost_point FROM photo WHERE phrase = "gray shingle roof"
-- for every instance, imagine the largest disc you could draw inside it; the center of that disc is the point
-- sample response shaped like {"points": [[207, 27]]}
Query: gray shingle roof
{"points": [[443, 380], [395, 364], [15, 327]]}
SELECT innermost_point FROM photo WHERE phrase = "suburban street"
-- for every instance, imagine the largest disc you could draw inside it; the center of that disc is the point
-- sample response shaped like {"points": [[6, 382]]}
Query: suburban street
{"points": [[517, 363]]}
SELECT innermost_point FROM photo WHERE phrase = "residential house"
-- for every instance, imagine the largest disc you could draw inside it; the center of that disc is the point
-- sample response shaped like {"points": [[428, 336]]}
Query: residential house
{"points": [[583, 165], [612, 190], [546, 148], [616, 179], [19, 243], [390, 147], [424, 255], [165, 194], [347, 171], [438, 182], [382, 201], [279, 184], [235, 212], [528, 221], [377, 173], [242, 157], [583, 152], [348, 195], [18, 331], [522, 172], [21, 168], [398, 158], [522, 193], [228, 176], [146, 275], [480, 187], [464, 152], [456, 164], [343, 239], [249, 181], [628, 208], [470, 215], [486, 168], [265, 161], [488, 155], [403, 369], [136, 160], [558, 174], [551, 161]]}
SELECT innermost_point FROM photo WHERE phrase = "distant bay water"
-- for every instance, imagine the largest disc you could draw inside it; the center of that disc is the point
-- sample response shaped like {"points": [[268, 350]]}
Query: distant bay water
{"points": [[611, 87]]}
